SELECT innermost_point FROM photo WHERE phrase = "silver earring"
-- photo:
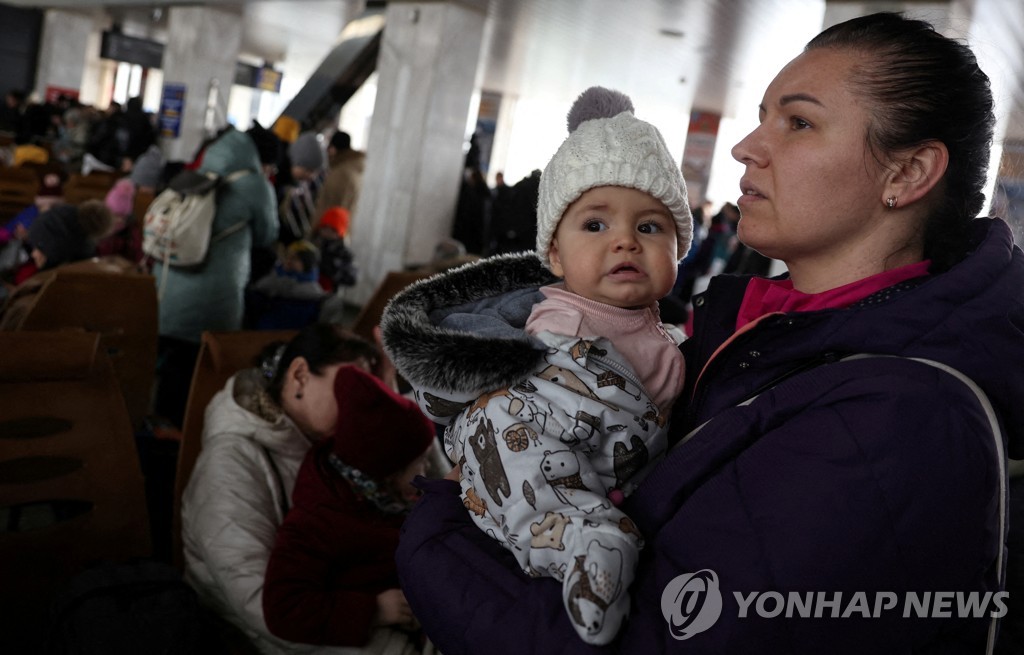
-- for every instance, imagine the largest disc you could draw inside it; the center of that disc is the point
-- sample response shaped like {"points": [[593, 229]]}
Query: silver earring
{"points": [[891, 201]]}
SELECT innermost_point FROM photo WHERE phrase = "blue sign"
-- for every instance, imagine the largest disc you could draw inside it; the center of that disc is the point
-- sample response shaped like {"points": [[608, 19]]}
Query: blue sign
{"points": [[172, 106], [268, 79]]}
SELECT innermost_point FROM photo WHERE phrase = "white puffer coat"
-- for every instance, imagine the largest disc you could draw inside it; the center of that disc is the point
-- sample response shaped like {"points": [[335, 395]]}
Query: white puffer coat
{"points": [[233, 505]]}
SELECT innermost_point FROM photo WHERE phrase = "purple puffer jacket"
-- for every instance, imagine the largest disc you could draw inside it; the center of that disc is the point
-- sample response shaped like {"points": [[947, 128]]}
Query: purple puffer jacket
{"points": [[857, 489]]}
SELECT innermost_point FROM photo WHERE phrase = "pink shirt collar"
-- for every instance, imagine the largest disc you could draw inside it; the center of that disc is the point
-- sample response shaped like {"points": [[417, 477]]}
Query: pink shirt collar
{"points": [[764, 296]]}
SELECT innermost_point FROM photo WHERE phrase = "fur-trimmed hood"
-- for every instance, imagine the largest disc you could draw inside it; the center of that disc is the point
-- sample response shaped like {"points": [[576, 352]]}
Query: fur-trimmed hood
{"points": [[461, 332]]}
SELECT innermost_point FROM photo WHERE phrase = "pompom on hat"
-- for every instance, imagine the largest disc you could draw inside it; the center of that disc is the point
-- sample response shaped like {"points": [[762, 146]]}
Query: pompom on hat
{"points": [[51, 186], [609, 146], [379, 432]]}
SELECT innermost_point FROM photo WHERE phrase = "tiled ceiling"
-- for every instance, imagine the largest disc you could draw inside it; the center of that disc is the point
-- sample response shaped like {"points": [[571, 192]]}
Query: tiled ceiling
{"points": [[672, 54], [671, 50]]}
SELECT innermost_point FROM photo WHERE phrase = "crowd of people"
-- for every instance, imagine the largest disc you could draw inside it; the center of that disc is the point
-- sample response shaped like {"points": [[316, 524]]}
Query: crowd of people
{"points": [[112, 138], [298, 198], [277, 250], [643, 429]]}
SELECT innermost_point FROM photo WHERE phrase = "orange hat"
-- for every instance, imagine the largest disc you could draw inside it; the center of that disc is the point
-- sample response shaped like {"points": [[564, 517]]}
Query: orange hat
{"points": [[335, 218], [286, 128], [30, 152]]}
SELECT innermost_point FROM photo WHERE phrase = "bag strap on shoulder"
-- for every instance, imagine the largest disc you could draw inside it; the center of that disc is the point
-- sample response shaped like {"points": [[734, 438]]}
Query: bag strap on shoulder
{"points": [[231, 229], [1001, 463], [994, 427], [996, 434], [231, 177]]}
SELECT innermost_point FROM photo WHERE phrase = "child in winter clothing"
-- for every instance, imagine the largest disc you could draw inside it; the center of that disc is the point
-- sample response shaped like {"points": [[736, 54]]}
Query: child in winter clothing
{"points": [[337, 268], [295, 275], [581, 400], [331, 579], [297, 211], [290, 296], [64, 234], [125, 235]]}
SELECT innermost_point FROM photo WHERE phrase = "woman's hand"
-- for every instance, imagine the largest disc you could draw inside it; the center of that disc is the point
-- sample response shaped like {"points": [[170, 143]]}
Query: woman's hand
{"points": [[393, 609]]}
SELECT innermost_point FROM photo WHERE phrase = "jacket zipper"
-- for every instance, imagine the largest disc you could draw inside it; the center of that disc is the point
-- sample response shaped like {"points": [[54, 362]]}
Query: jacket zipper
{"points": [[623, 371]]}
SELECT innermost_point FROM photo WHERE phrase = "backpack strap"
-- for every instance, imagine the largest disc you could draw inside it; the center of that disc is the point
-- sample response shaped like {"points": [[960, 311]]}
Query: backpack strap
{"points": [[994, 427], [228, 231], [1001, 463], [231, 177], [231, 229]]}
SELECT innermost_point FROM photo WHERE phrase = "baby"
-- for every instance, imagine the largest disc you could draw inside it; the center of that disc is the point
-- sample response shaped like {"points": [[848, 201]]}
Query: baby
{"points": [[579, 411]]}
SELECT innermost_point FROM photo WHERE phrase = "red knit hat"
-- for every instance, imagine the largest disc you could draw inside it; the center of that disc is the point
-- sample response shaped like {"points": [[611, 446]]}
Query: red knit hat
{"points": [[379, 432]]}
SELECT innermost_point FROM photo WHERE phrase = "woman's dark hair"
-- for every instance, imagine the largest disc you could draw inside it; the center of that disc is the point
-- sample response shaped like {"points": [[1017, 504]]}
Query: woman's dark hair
{"points": [[95, 218], [923, 86], [321, 345], [267, 144]]}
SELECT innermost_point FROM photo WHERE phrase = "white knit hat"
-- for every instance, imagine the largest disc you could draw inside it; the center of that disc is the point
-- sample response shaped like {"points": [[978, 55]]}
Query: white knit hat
{"points": [[609, 146]]}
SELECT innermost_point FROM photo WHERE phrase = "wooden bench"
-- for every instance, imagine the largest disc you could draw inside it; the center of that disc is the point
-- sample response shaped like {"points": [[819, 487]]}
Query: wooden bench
{"points": [[18, 189], [143, 199], [93, 186], [370, 313], [109, 297], [71, 485]]}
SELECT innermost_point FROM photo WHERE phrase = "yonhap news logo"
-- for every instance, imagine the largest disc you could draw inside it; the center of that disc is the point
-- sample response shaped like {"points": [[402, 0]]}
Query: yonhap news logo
{"points": [[691, 603]]}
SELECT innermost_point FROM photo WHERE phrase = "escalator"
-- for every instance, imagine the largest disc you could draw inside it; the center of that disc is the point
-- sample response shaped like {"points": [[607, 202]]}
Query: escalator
{"points": [[352, 59]]}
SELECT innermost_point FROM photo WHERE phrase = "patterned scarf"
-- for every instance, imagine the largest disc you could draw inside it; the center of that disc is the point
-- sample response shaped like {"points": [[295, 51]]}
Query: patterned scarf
{"points": [[366, 487]]}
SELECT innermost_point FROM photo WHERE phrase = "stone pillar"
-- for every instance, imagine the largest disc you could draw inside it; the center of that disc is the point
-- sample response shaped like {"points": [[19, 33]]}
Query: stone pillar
{"points": [[64, 42], [201, 53], [426, 75]]}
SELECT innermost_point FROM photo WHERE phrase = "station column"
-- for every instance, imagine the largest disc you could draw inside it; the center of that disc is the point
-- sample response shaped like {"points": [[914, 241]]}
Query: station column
{"points": [[199, 69], [426, 77], [65, 38]]}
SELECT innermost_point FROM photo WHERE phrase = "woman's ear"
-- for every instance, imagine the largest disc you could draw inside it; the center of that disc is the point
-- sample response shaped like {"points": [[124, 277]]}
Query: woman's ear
{"points": [[297, 374], [917, 173]]}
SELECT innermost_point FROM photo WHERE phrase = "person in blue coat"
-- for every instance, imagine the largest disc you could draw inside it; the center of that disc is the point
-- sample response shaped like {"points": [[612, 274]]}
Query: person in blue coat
{"points": [[838, 476], [211, 296]]}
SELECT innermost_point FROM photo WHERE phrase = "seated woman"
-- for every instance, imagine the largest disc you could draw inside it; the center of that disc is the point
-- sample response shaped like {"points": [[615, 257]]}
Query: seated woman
{"points": [[331, 577], [257, 432]]}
